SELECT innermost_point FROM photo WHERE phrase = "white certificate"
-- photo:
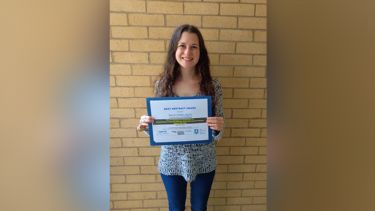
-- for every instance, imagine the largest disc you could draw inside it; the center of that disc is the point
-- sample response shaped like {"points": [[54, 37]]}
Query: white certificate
{"points": [[179, 120]]}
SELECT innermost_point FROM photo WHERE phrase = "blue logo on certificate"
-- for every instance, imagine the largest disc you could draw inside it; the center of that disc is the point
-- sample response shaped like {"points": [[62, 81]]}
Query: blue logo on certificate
{"points": [[196, 131]]}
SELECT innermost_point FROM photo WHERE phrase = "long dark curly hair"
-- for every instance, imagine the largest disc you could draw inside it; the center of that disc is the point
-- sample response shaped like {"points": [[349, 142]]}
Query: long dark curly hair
{"points": [[172, 69]]}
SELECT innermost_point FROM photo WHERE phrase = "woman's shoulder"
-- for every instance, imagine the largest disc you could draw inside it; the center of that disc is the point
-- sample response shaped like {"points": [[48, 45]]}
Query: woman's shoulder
{"points": [[216, 83]]}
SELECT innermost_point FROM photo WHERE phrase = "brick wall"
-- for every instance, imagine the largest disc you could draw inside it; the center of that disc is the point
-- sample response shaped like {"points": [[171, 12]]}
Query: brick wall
{"points": [[235, 33]]}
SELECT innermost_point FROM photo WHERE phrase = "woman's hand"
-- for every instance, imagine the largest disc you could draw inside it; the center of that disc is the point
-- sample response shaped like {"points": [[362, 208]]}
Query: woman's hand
{"points": [[144, 121], [215, 123]]}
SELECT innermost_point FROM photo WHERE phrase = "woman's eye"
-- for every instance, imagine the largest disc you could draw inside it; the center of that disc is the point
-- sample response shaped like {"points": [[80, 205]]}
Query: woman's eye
{"points": [[181, 46]]}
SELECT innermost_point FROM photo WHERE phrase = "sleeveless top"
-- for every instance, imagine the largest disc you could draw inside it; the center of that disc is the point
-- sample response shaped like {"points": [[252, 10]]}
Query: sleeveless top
{"points": [[188, 160]]}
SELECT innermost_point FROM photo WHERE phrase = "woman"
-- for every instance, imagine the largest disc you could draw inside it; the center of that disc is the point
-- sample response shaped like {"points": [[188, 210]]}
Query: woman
{"points": [[187, 73]]}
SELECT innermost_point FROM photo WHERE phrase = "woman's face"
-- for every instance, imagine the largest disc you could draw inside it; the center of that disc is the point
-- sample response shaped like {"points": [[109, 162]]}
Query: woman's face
{"points": [[187, 53]]}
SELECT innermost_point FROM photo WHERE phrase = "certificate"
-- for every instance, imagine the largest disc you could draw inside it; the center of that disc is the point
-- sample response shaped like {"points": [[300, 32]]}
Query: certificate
{"points": [[179, 120]]}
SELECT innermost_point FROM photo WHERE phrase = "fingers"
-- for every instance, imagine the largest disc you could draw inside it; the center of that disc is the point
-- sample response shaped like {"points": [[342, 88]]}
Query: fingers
{"points": [[215, 123], [144, 121]]}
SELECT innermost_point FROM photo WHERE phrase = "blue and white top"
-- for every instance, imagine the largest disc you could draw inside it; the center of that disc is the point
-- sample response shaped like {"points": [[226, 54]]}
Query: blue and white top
{"points": [[188, 160]]}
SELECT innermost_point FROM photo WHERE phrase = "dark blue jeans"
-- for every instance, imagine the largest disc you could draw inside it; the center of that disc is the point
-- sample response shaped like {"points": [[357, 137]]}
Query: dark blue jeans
{"points": [[199, 189]]}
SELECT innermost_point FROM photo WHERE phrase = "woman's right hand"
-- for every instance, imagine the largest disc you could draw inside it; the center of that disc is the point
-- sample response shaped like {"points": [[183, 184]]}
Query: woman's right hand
{"points": [[144, 121]]}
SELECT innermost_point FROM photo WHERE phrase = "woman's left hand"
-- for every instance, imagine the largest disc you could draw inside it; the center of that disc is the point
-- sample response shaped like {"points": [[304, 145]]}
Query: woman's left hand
{"points": [[215, 123]]}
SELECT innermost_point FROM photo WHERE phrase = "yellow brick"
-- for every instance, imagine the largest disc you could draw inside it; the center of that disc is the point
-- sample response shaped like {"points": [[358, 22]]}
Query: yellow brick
{"points": [[235, 82], [258, 83], [149, 170], [116, 161], [259, 200], [221, 71], [201, 8], [222, 150], [140, 178], [229, 123], [112, 81], [256, 159], [128, 5], [257, 103], [219, 185], [136, 142], [235, 103], [258, 123], [118, 19], [241, 168], [240, 185], [121, 170], [253, 1], [252, 23], [260, 60], [260, 36], [221, 0], [146, 209], [133, 80], [244, 150], [139, 161], [231, 59], [126, 57], [115, 123], [260, 184], [155, 203], [227, 93], [220, 47], [176, 20], [115, 142], [249, 93], [261, 168], [263, 132], [228, 177], [214, 59], [129, 32], [261, 10], [237, 9], [236, 35], [246, 132], [153, 187], [255, 176], [150, 151], [119, 45], [262, 150], [254, 207], [120, 69], [118, 196], [123, 133], [125, 187], [144, 92], [147, 69], [216, 201], [251, 48], [129, 123], [250, 71], [114, 103], [146, 20], [164, 7], [254, 192], [157, 58], [140, 111], [227, 193], [226, 208], [256, 142], [230, 159], [128, 204], [210, 34], [239, 200], [124, 152], [122, 113], [219, 22], [132, 103], [161, 32], [146, 45], [141, 195], [232, 142], [121, 92]]}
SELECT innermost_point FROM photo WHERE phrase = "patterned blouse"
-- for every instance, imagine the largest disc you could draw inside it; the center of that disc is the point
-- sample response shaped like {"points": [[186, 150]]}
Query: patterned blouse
{"points": [[188, 160]]}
